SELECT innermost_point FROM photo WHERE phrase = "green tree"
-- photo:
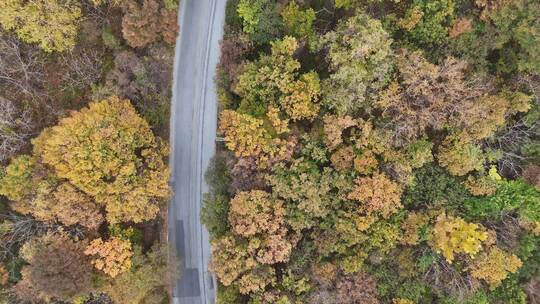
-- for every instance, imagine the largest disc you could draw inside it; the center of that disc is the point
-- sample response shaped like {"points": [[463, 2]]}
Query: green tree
{"points": [[510, 196], [517, 38], [260, 19], [360, 60], [306, 189], [432, 28], [275, 80], [51, 24], [298, 23]]}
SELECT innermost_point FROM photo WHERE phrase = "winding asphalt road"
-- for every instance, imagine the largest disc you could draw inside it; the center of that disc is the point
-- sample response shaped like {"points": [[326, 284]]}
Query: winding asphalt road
{"points": [[193, 134]]}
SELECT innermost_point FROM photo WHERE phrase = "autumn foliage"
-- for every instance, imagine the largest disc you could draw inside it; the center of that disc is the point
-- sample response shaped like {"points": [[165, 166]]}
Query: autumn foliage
{"points": [[146, 23], [83, 170], [57, 268], [109, 152], [374, 153], [51, 24], [494, 266], [112, 256], [377, 195], [453, 236]]}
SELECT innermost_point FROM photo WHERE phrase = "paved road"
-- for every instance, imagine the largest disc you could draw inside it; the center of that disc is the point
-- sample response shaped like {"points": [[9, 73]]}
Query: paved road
{"points": [[193, 133]]}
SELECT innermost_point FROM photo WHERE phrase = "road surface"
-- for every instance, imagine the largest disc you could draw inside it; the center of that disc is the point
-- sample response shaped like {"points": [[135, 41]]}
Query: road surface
{"points": [[193, 133]]}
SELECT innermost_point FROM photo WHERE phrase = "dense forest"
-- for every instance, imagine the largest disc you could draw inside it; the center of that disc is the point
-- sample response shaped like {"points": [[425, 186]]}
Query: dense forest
{"points": [[377, 151], [85, 91]]}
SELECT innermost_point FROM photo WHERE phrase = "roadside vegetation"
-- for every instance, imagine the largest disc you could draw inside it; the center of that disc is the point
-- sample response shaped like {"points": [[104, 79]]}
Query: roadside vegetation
{"points": [[378, 151], [85, 90]]}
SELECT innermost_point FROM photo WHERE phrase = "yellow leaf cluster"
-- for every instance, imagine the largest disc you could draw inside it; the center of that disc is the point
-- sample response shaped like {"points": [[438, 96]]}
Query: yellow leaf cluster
{"points": [[301, 96], [229, 260], [244, 134], [247, 137], [51, 24], [377, 194], [109, 152], [483, 185], [376, 140], [255, 212], [412, 18], [113, 255], [256, 281], [494, 266], [483, 116], [460, 156], [259, 218], [461, 26], [234, 263], [452, 235], [67, 205], [406, 263], [324, 273], [490, 7], [16, 182], [533, 227], [281, 126], [275, 79], [260, 238], [4, 275]]}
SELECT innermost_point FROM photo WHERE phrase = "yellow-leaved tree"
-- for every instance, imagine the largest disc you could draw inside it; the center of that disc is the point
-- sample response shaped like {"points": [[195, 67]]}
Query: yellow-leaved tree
{"points": [[377, 194], [51, 24], [113, 256], [247, 136], [494, 266], [276, 80], [453, 235], [109, 152]]}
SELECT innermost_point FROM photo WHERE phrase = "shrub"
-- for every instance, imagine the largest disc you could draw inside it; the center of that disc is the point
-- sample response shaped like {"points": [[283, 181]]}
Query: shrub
{"points": [[109, 39]]}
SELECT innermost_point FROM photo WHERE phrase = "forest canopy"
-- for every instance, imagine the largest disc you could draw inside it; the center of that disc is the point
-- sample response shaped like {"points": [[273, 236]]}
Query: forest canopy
{"points": [[377, 151], [85, 90]]}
